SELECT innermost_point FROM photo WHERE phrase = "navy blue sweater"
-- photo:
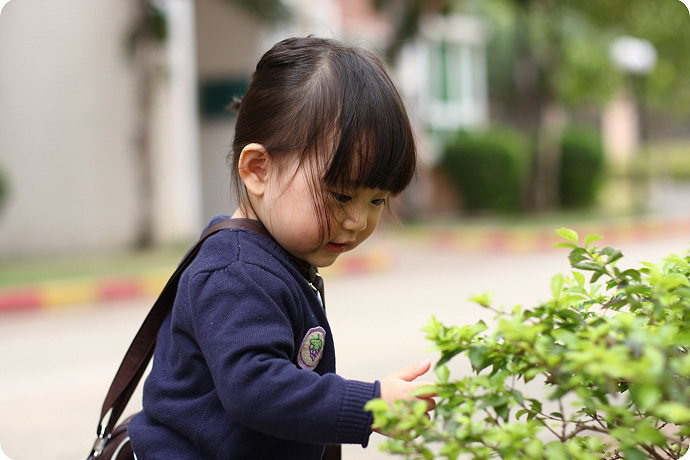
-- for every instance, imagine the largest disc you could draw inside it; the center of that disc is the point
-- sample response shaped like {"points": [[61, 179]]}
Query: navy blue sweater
{"points": [[244, 366]]}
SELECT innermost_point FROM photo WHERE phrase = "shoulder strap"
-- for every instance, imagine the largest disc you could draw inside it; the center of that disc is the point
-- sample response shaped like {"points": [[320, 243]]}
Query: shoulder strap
{"points": [[141, 350]]}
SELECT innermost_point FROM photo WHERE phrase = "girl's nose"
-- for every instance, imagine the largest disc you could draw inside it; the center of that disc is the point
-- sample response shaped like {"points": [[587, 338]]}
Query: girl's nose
{"points": [[356, 220]]}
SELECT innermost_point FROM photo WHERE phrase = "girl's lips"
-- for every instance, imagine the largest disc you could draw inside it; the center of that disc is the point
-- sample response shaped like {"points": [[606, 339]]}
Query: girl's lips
{"points": [[336, 247]]}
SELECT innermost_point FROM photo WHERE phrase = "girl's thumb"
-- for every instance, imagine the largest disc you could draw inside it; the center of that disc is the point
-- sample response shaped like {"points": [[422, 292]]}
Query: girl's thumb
{"points": [[411, 372]]}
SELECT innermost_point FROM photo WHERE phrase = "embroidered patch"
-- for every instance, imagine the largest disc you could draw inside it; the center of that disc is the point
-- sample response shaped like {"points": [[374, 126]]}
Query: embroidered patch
{"points": [[311, 350]]}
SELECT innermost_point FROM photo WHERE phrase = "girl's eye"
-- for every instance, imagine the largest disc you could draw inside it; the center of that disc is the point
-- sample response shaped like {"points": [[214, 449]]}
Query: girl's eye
{"points": [[342, 198], [378, 201]]}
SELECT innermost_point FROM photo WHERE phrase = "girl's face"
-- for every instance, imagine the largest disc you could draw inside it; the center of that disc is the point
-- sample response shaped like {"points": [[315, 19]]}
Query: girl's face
{"points": [[289, 214]]}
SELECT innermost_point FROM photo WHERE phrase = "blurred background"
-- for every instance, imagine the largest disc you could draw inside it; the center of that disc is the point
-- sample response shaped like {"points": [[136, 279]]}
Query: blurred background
{"points": [[114, 130], [114, 127]]}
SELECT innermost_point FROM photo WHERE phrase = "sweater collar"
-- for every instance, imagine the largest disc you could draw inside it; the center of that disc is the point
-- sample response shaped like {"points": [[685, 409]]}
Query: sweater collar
{"points": [[310, 272]]}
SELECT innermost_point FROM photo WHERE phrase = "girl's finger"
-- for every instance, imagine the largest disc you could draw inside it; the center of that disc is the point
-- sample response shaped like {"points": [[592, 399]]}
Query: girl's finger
{"points": [[411, 372]]}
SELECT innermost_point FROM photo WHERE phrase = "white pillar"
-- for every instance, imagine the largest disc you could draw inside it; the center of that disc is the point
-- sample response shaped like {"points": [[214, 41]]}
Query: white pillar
{"points": [[181, 215]]}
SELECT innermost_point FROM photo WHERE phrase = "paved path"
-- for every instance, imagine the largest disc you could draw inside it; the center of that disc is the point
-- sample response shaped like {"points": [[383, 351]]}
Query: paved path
{"points": [[55, 366]]}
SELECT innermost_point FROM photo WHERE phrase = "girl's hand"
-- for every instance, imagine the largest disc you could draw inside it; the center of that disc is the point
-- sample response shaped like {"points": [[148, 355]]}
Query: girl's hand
{"points": [[399, 385]]}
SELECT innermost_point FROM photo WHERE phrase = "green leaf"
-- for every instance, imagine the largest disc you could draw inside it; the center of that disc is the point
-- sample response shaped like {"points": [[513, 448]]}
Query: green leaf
{"points": [[569, 316], [646, 396], [587, 265], [579, 278], [535, 448], [633, 274], [674, 412], [674, 280], [518, 396], [577, 255], [442, 373], [448, 355], [564, 245], [568, 234], [503, 411], [632, 453], [646, 433], [483, 300], [556, 451], [478, 358], [531, 373], [419, 408], [589, 239], [377, 405], [556, 286], [612, 253]]}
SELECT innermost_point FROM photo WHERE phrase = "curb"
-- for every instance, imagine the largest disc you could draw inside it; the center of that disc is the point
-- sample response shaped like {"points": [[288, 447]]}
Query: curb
{"points": [[542, 237], [65, 294], [57, 295]]}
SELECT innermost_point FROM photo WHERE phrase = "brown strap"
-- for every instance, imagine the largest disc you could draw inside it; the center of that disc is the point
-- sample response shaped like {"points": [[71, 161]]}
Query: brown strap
{"points": [[332, 452], [141, 350]]}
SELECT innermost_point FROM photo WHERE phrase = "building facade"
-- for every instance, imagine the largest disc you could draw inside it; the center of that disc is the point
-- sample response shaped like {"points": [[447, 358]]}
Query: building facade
{"points": [[70, 110]]}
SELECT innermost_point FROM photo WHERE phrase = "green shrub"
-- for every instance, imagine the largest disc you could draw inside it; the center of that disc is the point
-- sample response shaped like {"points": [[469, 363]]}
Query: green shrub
{"points": [[679, 167], [611, 353], [582, 165], [667, 159], [3, 188], [487, 169]]}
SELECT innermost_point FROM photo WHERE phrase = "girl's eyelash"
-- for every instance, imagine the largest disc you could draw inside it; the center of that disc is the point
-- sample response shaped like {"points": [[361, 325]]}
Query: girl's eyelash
{"points": [[341, 197]]}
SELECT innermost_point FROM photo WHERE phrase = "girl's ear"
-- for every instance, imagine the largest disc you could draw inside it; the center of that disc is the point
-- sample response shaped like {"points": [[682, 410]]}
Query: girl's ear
{"points": [[253, 167]]}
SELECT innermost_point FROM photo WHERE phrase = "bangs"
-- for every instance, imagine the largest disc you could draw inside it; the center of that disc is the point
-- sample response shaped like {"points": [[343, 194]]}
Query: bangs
{"points": [[375, 145]]}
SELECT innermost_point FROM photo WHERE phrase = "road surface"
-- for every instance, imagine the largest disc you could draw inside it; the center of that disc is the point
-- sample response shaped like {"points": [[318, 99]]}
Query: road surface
{"points": [[55, 366]]}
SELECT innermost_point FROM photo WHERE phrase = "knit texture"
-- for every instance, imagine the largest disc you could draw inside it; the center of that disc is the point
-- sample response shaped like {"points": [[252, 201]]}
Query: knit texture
{"points": [[225, 381]]}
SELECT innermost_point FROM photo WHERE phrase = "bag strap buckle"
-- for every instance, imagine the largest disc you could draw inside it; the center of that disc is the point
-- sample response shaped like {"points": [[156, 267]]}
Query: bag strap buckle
{"points": [[99, 444]]}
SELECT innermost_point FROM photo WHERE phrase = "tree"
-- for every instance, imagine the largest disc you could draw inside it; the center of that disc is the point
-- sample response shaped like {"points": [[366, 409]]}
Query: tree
{"points": [[548, 57], [144, 42], [148, 33], [611, 354]]}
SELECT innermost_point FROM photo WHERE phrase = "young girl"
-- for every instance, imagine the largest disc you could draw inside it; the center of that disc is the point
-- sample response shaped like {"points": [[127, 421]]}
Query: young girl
{"points": [[244, 366]]}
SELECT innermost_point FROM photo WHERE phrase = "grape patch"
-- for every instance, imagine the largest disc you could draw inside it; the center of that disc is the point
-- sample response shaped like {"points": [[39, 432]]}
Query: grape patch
{"points": [[311, 350]]}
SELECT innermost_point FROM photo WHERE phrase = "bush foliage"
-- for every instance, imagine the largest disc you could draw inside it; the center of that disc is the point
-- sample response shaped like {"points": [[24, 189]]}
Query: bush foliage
{"points": [[582, 166], [3, 188], [487, 169], [608, 352]]}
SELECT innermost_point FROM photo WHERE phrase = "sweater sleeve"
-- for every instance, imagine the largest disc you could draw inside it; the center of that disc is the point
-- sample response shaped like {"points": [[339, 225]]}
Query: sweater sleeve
{"points": [[243, 322]]}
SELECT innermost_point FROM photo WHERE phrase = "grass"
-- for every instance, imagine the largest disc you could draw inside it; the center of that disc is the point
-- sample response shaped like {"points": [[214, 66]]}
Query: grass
{"points": [[37, 270]]}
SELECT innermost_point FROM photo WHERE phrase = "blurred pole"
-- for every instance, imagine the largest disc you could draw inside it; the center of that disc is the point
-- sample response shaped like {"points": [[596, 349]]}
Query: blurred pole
{"points": [[637, 58], [145, 61], [642, 173], [185, 184]]}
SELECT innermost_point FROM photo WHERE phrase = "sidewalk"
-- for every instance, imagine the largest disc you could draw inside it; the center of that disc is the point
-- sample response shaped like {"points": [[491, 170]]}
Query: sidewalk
{"points": [[471, 237]]}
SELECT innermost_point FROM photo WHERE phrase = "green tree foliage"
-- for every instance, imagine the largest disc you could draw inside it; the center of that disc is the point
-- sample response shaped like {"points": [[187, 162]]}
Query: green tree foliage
{"points": [[609, 351], [565, 46], [666, 24]]}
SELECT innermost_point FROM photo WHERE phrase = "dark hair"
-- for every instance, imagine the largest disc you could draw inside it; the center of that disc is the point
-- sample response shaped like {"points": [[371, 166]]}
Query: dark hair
{"points": [[332, 103]]}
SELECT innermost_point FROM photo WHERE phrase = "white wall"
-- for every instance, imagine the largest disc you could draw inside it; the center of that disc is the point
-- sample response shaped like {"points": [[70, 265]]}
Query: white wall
{"points": [[65, 126], [228, 43]]}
